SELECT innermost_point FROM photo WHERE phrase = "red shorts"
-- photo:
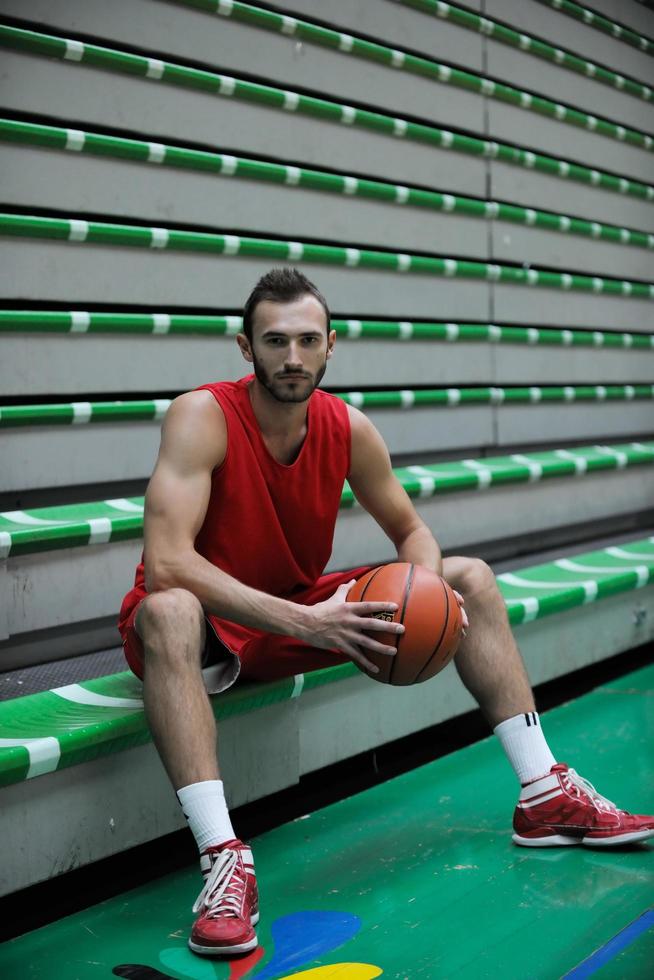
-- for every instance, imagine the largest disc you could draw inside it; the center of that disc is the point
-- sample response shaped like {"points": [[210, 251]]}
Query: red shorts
{"points": [[258, 656]]}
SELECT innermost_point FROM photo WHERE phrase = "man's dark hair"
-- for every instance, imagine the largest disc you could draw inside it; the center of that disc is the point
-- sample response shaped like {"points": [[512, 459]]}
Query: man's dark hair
{"points": [[280, 286]]}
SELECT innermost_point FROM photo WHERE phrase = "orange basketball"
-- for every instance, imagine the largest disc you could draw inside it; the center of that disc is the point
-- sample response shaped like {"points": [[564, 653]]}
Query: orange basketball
{"points": [[431, 616]]}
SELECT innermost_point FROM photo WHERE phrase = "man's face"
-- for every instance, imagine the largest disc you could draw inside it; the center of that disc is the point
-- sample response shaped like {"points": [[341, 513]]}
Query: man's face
{"points": [[290, 347]]}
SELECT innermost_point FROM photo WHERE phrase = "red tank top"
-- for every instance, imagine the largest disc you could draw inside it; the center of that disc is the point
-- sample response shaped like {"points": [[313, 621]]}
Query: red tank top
{"points": [[269, 525]]}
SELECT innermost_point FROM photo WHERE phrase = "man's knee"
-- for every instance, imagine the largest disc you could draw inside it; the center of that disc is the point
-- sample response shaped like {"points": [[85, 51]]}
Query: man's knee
{"points": [[473, 576], [171, 613]]}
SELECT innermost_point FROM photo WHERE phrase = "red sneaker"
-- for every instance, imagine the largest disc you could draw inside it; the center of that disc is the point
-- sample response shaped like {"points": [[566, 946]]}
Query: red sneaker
{"points": [[563, 808], [229, 902]]}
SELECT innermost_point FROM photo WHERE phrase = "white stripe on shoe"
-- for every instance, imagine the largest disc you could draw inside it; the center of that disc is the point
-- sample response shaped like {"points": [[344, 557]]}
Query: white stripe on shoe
{"points": [[539, 786], [539, 799]]}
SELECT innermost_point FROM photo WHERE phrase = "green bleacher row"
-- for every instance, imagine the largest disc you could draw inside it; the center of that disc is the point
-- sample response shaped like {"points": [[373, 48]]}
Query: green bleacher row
{"points": [[402, 60], [502, 32], [359, 47], [154, 409], [72, 525], [76, 723], [83, 321], [227, 165], [82, 231], [77, 52], [79, 321], [595, 19]]}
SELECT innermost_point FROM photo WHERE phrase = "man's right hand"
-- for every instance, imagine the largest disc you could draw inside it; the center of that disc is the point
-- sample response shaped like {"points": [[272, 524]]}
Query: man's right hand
{"points": [[337, 624]]}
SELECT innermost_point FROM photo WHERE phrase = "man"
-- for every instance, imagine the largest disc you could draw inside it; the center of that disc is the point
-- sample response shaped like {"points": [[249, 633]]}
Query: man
{"points": [[239, 521]]}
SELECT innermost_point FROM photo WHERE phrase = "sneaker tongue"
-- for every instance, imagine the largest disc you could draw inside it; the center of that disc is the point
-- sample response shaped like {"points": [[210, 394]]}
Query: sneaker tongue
{"points": [[560, 767]]}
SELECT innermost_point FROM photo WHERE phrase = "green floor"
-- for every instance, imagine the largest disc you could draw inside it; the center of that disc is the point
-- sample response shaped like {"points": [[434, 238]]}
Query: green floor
{"points": [[416, 878]]}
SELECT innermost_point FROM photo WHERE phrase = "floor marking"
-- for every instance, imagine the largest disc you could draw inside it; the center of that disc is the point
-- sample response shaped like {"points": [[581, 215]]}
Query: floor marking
{"points": [[121, 503], [21, 517], [610, 950], [525, 583], [302, 937], [79, 695], [631, 555]]}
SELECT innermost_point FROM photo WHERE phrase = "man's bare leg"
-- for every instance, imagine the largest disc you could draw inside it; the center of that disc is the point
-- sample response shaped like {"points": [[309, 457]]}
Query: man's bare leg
{"points": [[488, 660], [490, 666], [172, 628], [555, 807]]}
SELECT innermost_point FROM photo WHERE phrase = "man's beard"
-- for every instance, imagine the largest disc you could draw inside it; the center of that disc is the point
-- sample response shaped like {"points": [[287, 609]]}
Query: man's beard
{"points": [[281, 390]]}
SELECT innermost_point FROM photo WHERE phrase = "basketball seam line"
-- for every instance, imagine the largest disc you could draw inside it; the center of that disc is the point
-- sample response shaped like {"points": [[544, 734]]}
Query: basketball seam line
{"points": [[407, 593], [440, 639]]}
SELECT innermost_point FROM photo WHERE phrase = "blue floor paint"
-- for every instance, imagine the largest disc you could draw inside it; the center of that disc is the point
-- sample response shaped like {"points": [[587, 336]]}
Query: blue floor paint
{"points": [[301, 937], [614, 946]]}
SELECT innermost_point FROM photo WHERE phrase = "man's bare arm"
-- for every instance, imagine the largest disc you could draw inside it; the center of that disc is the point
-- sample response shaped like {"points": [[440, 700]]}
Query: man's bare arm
{"points": [[380, 493], [193, 444]]}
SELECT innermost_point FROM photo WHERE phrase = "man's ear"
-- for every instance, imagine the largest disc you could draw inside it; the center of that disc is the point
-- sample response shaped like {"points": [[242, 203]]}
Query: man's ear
{"points": [[244, 345], [331, 343]]}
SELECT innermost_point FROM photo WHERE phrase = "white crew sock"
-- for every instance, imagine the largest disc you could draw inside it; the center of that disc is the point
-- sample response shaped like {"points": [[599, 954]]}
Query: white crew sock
{"points": [[206, 811], [524, 743]]}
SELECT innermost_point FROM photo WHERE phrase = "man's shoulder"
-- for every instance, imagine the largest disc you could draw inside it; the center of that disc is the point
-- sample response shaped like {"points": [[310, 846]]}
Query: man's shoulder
{"points": [[199, 401], [198, 411], [194, 430]]}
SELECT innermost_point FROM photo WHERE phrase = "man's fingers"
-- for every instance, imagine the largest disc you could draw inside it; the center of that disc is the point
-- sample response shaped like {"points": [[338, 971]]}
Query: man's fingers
{"points": [[464, 617], [367, 664], [363, 661], [381, 625], [370, 608], [355, 654], [375, 645]]}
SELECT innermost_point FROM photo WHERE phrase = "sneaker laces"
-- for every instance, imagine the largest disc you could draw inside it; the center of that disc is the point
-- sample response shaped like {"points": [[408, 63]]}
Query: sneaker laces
{"points": [[224, 888], [576, 782]]}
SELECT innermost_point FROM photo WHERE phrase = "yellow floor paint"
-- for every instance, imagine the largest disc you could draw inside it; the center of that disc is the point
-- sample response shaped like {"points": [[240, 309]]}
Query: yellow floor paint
{"points": [[339, 971]]}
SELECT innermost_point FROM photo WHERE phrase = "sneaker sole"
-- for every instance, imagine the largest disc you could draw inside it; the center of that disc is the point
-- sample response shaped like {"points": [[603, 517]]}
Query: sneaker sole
{"points": [[223, 950], [559, 840], [552, 840], [634, 837]]}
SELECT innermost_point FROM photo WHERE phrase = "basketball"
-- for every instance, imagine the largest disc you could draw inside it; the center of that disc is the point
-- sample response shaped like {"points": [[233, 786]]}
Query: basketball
{"points": [[430, 613]]}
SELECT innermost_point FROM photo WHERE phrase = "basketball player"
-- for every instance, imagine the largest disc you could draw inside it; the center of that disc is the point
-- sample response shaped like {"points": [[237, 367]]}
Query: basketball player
{"points": [[239, 521]]}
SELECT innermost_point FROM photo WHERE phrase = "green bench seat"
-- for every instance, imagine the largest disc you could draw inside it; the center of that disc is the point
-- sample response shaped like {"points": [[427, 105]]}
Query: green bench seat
{"points": [[55, 729]]}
